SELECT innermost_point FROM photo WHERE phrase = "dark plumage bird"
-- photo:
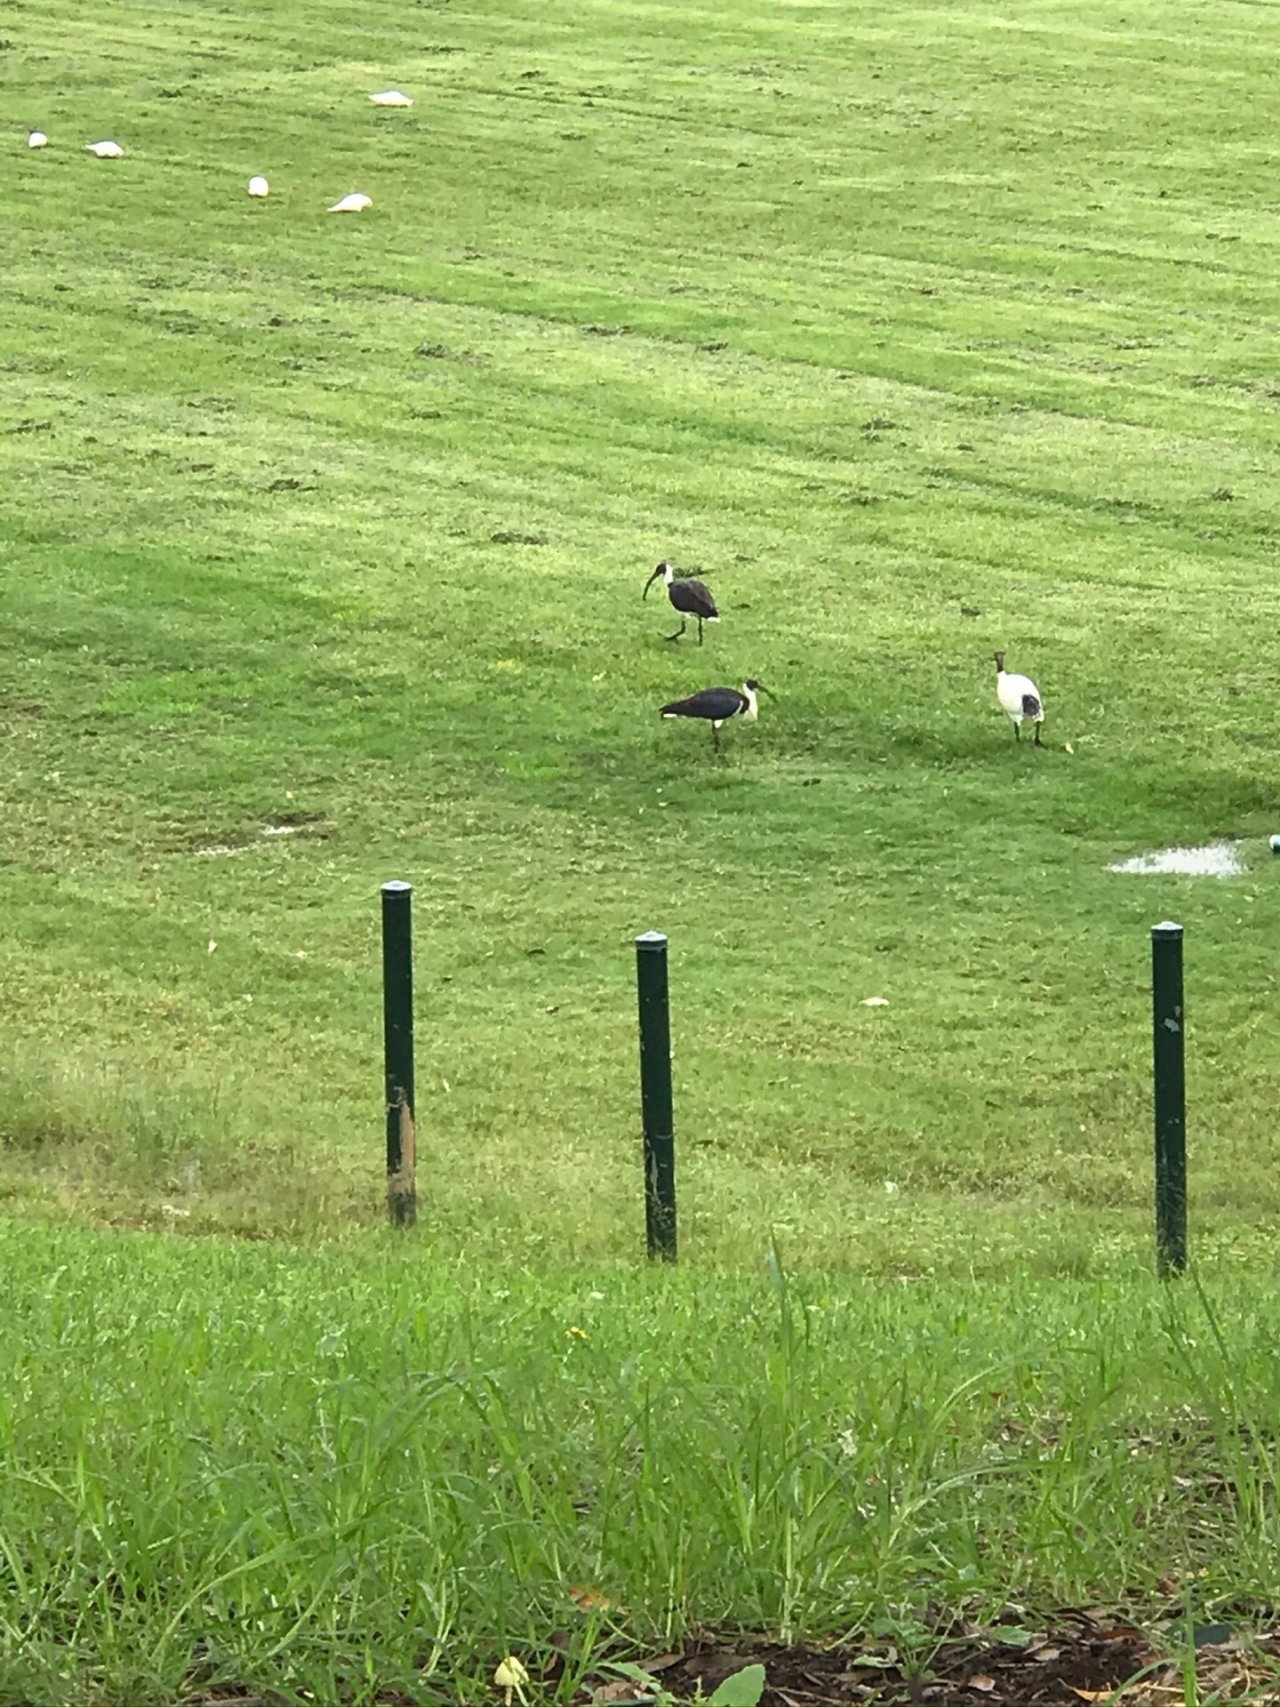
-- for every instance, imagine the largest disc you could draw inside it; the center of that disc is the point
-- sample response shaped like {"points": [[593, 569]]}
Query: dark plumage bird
{"points": [[718, 705], [688, 596]]}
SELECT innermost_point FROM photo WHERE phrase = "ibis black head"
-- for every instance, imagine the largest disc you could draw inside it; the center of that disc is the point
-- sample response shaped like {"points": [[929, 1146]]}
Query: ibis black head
{"points": [[999, 660], [659, 574], [753, 686]]}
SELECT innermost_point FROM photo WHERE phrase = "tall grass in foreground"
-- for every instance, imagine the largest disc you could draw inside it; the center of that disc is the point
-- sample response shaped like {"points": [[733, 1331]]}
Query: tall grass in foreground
{"points": [[341, 1472]]}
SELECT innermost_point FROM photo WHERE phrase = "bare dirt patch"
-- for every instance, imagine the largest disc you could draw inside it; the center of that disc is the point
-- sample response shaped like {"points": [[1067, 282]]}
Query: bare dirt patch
{"points": [[1089, 1655]]}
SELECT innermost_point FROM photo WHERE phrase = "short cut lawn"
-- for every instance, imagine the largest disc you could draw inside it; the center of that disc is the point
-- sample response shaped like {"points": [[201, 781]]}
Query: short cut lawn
{"points": [[918, 332]]}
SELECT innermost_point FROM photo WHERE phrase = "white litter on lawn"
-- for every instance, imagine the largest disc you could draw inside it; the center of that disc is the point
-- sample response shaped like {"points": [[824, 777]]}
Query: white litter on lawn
{"points": [[353, 203], [391, 98], [1217, 859], [37, 139], [258, 186], [104, 150]]}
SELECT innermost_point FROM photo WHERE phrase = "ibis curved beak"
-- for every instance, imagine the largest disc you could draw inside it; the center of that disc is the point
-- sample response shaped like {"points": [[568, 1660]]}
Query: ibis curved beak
{"points": [[761, 688], [654, 577]]}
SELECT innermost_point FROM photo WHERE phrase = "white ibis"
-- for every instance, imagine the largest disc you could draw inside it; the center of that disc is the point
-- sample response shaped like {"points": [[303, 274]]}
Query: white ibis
{"points": [[259, 187], [353, 203], [37, 139], [718, 705], [688, 596], [104, 150], [1020, 697]]}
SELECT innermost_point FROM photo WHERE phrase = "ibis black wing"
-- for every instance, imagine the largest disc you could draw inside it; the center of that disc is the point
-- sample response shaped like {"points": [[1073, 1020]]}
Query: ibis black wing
{"points": [[716, 703], [1030, 705], [691, 598]]}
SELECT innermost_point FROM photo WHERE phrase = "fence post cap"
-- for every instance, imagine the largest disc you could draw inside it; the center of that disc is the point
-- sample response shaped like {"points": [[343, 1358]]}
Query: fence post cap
{"points": [[397, 887], [651, 939], [1166, 928]]}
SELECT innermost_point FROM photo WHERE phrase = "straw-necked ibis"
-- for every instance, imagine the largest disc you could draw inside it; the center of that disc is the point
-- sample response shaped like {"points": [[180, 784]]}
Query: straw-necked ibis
{"points": [[1020, 698], [718, 705], [687, 596]]}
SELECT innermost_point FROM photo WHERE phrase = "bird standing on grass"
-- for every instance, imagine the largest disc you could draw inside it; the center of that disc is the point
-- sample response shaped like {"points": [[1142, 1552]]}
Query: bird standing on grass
{"points": [[718, 705], [1020, 697], [688, 596]]}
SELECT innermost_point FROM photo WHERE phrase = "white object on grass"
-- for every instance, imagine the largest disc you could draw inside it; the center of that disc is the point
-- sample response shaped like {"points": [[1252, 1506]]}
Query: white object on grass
{"points": [[104, 150], [511, 1678], [352, 203], [875, 1001], [37, 139], [258, 186], [1274, 844], [391, 98]]}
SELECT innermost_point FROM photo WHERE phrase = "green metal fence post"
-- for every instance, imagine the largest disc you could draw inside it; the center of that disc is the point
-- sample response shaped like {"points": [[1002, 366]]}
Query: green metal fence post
{"points": [[1169, 1031], [397, 1034], [655, 1096]]}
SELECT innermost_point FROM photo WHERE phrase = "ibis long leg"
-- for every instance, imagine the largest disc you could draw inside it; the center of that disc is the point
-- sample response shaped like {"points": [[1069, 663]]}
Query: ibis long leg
{"points": [[1039, 742], [684, 623], [699, 631]]}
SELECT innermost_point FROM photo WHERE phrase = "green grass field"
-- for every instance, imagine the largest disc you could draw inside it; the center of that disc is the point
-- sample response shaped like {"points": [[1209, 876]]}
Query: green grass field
{"points": [[342, 523], [340, 1476], [918, 332]]}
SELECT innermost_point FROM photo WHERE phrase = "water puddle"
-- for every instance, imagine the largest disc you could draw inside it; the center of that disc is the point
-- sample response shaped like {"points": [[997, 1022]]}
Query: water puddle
{"points": [[220, 850], [1216, 859]]}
